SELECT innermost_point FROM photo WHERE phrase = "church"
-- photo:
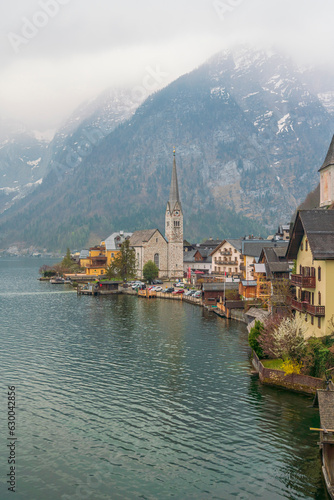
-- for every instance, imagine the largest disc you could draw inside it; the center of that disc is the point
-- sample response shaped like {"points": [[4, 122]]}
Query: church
{"points": [[165, 251]]}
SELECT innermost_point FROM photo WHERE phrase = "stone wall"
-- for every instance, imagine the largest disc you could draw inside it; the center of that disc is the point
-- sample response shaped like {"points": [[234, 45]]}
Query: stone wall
{"points": [[293, 382]]}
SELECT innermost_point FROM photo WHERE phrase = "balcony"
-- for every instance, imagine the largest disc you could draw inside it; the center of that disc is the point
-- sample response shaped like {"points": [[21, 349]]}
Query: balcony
{"points": [[303, 281], [227, 262], [225, 252], [315, 310], [306, 307]]}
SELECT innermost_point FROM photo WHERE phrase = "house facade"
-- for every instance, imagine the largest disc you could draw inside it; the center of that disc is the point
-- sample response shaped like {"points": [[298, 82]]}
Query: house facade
{"points": [[227, 258], [312, 246], [150, 244]]}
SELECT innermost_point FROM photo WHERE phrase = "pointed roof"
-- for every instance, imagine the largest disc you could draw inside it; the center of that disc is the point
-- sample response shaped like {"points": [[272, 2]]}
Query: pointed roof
{"points": [[139, 238], [318, 225], [174, 196], [329, 160]]}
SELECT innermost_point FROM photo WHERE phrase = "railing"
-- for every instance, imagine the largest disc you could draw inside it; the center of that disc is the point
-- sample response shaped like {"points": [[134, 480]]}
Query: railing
{"points": [[315, 310], [298, 305], [306, 307], [225, 252], [303, 281], [227, 262]]}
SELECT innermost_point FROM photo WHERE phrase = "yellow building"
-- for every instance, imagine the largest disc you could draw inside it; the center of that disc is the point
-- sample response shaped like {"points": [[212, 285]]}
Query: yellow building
{"points": [[97, 259], [312, 246]]}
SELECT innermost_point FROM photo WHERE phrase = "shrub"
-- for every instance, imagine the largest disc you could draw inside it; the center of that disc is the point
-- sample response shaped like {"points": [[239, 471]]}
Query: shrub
{"points": [[253, 336], [319, 355], [290, 366]]}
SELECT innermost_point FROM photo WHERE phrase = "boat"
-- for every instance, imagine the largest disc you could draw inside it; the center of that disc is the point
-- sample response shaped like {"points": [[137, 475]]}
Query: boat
{"points": [[325, 401], [57, 280]]}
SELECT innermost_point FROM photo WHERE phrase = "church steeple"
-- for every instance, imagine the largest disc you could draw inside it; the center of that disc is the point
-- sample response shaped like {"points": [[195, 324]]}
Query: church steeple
{"points": [[174, 196], [327, 178], [174, 228]]}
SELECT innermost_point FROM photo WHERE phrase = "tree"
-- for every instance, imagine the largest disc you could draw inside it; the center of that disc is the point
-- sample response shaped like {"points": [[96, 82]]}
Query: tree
{"points": [[124, 264], [150, 271], [253, 336], [286, 340], [67, 260]]}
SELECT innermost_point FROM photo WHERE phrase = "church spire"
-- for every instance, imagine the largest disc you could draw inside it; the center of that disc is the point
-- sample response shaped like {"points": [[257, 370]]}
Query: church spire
{"points": [[329, 160], [174, 196]]}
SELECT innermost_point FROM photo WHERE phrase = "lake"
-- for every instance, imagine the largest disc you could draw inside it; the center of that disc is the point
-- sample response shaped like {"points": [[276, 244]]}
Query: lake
{"points": [[123, 398]]}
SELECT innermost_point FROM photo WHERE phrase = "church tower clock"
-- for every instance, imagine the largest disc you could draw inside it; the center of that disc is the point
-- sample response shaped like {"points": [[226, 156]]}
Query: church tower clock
{"points": [[174, 228]]}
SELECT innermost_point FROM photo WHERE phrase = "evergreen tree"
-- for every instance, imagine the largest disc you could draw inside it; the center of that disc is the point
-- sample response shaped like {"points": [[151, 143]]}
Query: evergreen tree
{"points": [[124, 264], [150, 271]]}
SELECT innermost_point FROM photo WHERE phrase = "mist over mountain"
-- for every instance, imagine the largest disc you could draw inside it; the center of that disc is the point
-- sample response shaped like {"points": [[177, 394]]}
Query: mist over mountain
{"points": [[250, 130]]}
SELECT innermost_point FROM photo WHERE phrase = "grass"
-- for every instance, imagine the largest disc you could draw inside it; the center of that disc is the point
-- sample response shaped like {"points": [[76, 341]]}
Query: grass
{"points": [[274, 364]]}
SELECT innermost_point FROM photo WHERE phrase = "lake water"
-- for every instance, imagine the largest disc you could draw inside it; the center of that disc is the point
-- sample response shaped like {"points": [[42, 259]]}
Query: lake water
{"points": [[124, 398]]}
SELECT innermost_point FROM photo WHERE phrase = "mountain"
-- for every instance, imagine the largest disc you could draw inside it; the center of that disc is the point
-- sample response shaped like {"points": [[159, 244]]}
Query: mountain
{"points": [[87, 126], [21, 158], [250, 133]]}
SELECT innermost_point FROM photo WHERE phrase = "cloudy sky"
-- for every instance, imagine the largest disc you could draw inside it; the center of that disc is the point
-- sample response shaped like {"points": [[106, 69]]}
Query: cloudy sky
{"points": [[57, 53]]}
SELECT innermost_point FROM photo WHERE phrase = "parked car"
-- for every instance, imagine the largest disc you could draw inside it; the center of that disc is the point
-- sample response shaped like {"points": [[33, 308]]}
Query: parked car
{"points": [[197, 294], [179, 291], [157, 282], [188, 293], [168, 290], [180, 285], [158, 288]]}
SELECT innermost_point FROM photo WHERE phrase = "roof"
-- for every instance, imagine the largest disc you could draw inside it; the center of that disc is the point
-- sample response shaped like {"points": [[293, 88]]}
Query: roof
{"points": [[114, 241], [248, 283], [234, 242], [138, 238], [210, 243], [84, 254], [329, 160], [220, 287], [260, 268], [326, 408], [318, 225], [174, 196], [253, 248], [278, 267], [189, 256]]}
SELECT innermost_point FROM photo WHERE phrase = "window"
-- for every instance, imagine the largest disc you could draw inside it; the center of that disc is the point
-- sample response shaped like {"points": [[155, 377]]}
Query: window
{"points": [[312, 320], [302, 246], [319, 273], [319, 298], [112, 255], [306, 245], [156, 260], [176, 223], [319, 322], [306, 318], [156, 240], [168, 224]]}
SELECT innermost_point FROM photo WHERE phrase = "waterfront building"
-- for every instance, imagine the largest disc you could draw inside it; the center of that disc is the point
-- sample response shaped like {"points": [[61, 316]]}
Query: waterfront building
{"points": [[251, 250], [198, 259], [227, 259], [312, 246]]}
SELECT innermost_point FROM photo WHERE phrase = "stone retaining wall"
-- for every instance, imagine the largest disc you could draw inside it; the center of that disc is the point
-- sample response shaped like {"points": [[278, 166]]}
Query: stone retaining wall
{"points": [[293, 382]]}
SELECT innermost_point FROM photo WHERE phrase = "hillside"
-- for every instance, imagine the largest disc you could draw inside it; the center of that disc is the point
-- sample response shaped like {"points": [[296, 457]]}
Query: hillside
{"points": [[250, 134]]}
